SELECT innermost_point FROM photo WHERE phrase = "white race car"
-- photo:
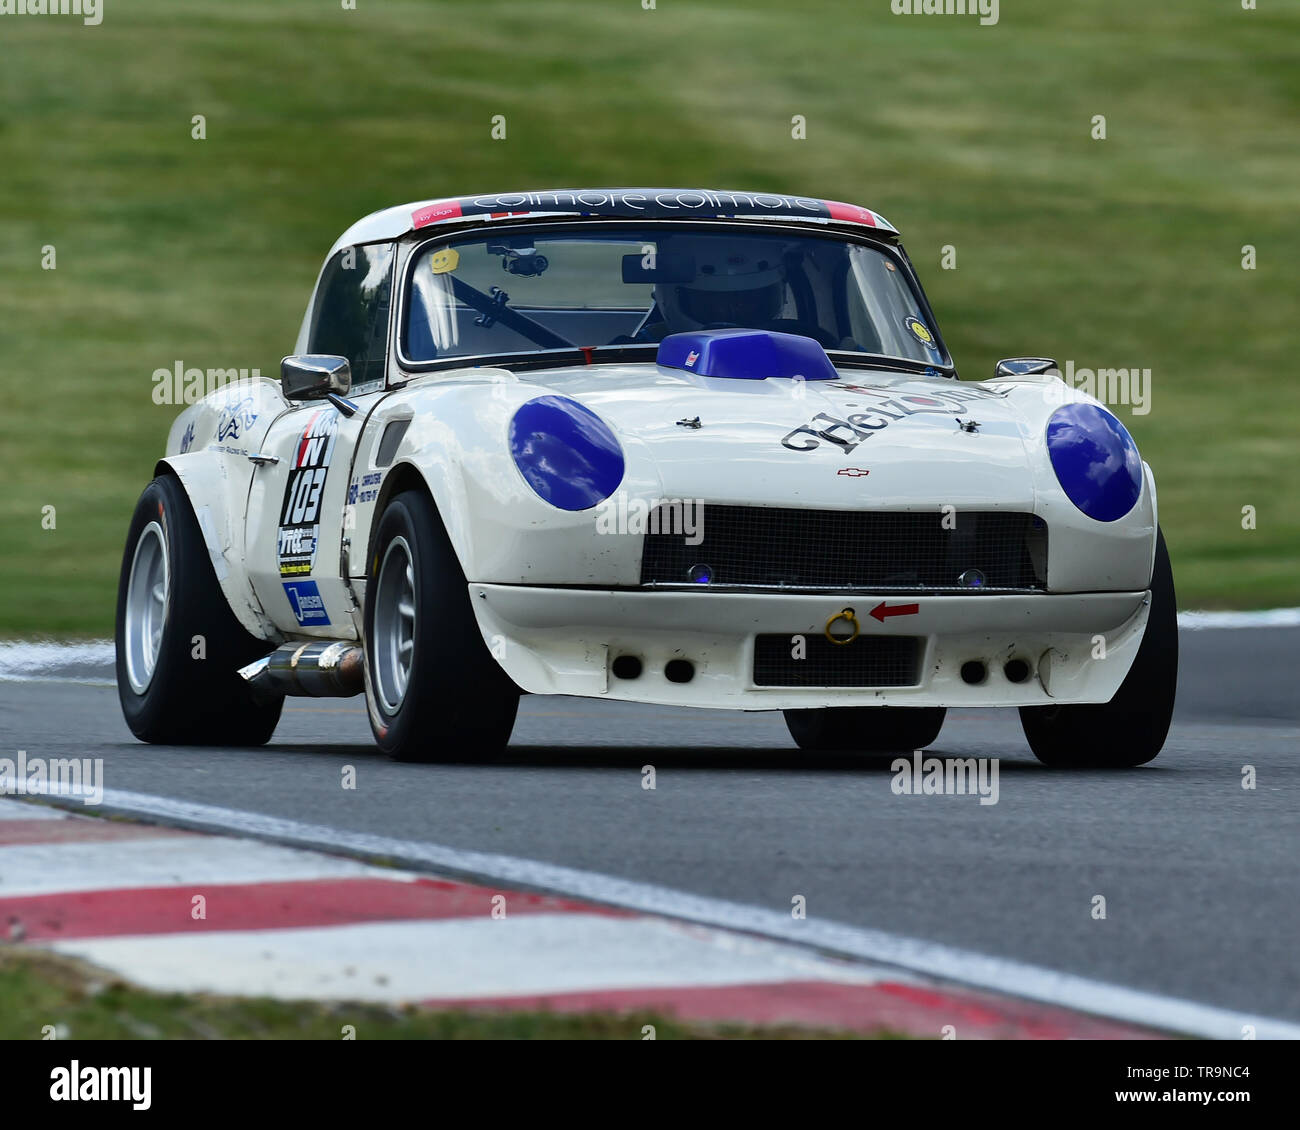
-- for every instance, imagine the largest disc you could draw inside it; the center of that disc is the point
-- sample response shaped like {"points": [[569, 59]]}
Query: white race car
{"points": [[661, 445]]}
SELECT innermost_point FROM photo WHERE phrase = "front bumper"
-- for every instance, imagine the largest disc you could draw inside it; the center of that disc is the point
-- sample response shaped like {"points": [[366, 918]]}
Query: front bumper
{"points": [[1078, 647]]}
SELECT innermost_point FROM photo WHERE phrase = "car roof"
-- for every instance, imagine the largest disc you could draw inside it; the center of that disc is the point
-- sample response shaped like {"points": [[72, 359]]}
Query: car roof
{"points": [[620, 203]]}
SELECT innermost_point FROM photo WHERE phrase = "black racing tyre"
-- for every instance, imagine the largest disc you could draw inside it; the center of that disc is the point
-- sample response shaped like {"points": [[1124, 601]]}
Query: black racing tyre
{"points": [[1131, 728], [179, 646], [433, 690], [868, 729]]}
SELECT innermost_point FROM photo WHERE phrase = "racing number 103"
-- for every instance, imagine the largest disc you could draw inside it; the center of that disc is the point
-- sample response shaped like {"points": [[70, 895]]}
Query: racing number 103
{"points": [[303, 499]]}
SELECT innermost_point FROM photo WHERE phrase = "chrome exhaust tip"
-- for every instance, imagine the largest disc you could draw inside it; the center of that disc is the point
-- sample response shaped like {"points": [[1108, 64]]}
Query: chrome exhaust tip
{"points": [[318, 669]]}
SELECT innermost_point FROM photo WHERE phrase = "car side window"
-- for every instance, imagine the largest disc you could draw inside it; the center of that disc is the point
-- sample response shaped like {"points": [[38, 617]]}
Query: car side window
{"points": [[350, 318]]}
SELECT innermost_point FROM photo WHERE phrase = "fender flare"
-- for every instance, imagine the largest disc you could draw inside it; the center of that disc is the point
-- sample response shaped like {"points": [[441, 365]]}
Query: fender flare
{"points": [[1150, 478], [218, 509], [406, 474]]}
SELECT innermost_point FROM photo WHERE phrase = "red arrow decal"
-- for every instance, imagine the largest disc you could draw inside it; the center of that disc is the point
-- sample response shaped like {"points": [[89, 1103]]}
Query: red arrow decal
{"points": [[881, 611]]}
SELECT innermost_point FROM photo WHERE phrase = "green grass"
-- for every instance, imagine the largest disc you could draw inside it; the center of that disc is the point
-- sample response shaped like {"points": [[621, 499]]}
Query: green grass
{"points": [[1115, 253], [40, 991]]}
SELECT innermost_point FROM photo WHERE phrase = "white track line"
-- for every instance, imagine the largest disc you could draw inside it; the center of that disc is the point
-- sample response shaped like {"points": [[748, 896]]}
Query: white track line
{"points": [[26, 659], [459, 958], [932, 959], [25, 810], [1269, 618], [178, 861]]}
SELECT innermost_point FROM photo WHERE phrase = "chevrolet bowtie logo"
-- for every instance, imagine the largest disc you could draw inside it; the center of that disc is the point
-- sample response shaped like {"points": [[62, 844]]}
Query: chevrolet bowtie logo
{"points": [[853, 472]]}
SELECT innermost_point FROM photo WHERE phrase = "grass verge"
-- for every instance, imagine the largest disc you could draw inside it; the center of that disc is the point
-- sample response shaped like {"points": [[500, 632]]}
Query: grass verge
{"points": [[40, 991]]}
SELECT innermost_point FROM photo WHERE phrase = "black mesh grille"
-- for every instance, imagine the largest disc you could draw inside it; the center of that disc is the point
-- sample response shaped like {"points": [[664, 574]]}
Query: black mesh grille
{"points": [[850, 549], [869, 661]]}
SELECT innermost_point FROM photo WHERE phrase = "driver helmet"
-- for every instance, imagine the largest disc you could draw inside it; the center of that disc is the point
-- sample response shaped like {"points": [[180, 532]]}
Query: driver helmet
{"points": [[738, 282]]}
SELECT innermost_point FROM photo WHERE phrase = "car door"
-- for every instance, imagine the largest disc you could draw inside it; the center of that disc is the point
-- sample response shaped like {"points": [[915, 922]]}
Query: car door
{"points": [[297, 504]]}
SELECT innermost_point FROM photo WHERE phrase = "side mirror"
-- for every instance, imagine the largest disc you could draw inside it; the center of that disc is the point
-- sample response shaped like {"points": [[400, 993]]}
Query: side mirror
{"points": [[1026, 367], [314, 376]]}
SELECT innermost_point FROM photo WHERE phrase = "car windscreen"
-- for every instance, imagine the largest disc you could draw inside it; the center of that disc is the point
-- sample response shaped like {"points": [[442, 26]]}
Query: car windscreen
{"points": [[563, 288]]}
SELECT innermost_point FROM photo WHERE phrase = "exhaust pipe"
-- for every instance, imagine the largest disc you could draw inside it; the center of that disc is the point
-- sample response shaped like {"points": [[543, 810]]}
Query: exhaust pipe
{"points": [[320, 669]]}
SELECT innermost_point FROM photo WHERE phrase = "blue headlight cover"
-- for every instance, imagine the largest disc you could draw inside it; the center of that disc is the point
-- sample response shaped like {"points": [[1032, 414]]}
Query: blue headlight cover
{"points": [[1095, 460], [565, 452]]}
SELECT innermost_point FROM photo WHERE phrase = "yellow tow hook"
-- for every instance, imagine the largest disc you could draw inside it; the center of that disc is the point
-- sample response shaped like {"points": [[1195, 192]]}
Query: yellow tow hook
{"points": [[849, 618]]}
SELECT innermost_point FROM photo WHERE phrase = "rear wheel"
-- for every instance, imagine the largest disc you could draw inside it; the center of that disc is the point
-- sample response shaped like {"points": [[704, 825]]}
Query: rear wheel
{"points": [[1131, 728], [432, 687], [870, 729], [179, 646]]}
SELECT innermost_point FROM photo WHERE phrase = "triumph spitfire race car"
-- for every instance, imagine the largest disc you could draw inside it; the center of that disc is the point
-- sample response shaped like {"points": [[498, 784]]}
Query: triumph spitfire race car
{"points": [[682, 447]]}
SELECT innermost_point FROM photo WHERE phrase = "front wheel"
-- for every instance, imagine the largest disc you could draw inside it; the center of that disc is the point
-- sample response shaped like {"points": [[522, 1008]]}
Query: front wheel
{"points": [[433, 690], [1131, 728], [179, 646], [869, 729]]}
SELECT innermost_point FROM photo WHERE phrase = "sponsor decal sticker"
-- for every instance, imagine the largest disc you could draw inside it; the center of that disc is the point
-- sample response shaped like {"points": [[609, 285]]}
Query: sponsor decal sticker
{"points": [[444, 210], [187, 440], [237, 418], [365, 488], [645, 202], [850, 212], [303, 492], [305, 600], [692, 357], [445, 260], [920, 331], [848, 433], [963, 392], [884, 610], [853, 472]]}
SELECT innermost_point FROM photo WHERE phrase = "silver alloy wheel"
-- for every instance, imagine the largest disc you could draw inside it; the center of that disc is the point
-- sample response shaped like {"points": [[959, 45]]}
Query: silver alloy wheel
{"points": [[146, 606], [394, 640]]}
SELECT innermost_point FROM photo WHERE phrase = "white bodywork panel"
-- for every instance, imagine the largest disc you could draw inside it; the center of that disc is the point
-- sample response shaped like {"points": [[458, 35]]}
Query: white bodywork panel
{"points": [[208, 449], [562, 641], [505, 533]]}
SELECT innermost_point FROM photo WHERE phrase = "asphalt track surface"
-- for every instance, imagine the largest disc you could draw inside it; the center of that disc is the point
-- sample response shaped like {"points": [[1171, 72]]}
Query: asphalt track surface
{"points": [[1199, 874]]}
